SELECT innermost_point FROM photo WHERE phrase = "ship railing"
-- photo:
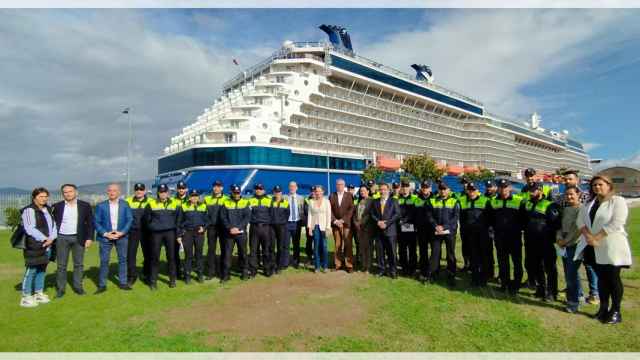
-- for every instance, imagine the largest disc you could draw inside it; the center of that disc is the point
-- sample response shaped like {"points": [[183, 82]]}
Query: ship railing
{"points": [[406, 76]]}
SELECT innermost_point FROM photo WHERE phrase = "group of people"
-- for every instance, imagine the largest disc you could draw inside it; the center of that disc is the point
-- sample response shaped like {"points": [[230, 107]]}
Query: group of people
{"points": [[385, 229]]}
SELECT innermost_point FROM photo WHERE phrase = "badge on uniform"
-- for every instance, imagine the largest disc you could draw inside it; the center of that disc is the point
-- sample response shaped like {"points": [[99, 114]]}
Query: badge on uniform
{"points": [[406, 227]]}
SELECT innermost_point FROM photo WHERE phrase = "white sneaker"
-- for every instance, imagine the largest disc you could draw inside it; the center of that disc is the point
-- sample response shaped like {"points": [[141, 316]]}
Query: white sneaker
{"points": [[41, 298], [28, 301]]}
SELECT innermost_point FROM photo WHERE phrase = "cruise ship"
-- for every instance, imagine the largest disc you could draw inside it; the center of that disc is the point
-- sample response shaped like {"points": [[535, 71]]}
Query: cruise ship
{"points": [[317, 111]]}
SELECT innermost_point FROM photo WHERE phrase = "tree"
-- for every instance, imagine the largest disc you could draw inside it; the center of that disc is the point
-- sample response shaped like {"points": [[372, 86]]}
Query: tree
{"points": [[422, 167], [482, 174], [13, 218], [372, 172]]}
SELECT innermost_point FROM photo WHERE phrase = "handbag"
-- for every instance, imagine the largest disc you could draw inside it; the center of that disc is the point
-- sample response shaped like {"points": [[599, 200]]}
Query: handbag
{"points": [[18, 238]]}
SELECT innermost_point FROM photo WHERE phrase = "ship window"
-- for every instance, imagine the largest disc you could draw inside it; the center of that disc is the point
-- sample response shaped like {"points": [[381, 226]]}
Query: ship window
{"points": [[265, 125], [306, 82], [253, 138], [296, 92]]}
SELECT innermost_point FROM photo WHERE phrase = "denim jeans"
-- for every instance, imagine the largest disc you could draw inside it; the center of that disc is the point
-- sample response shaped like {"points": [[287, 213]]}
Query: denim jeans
{"points": [[320, 248], [572, 277], [593, 281], [33, 280], [121, 246]]}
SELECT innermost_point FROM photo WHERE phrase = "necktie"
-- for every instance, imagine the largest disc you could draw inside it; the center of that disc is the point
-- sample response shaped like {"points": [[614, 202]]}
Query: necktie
{"points": [[294, 209], [382, 206]]}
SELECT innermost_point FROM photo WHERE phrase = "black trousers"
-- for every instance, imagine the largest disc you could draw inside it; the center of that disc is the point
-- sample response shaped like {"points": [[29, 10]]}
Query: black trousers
{"points": [[478, 243], [193, 243], [386, 253], [260, 242], [136, 237], [423, 236], [531, 260], [436, 247], [215, 236], [509, 246], [240, 241], [294, 231], [610, 286], [179, 264], [158, 239], [408, 252], [466, 246], [279, 234], [308, 246]]}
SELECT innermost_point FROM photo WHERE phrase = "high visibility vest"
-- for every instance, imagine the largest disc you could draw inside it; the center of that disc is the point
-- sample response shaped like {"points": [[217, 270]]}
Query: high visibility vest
{"points": [[280, 204], [135, 204], [265, 201], [211, 200], [540, 207], [513, 203], [479, 203], [170, 204], [190, 207], [449, 203], [229, 203]]}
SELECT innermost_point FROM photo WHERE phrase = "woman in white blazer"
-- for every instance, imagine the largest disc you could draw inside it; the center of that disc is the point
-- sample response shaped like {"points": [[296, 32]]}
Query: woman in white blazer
{"points": [[602, 224], [318, 224]]}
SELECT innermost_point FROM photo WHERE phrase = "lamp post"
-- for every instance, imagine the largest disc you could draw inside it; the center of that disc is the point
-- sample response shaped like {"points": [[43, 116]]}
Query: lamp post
{"points": [[129, 142]]}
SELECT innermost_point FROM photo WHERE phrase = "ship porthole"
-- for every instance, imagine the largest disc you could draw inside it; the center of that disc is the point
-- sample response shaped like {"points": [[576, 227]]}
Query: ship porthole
{"points": [[253, 138], [296, 92], [265, 125], [306, 82]]}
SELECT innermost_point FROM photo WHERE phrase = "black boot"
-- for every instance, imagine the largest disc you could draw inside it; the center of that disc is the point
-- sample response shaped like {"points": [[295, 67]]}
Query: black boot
{"points": [[602, 314], [614, 318]]}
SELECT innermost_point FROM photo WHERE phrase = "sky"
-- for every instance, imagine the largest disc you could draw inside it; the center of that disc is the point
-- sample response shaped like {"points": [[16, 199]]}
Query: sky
{"points": [[67, 74]]}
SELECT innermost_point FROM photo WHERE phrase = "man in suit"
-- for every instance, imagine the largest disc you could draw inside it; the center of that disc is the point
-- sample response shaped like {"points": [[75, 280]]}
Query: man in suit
{"points": [[74, 219], [112, 222], [294, 226], [341, 203], [386, 214]]}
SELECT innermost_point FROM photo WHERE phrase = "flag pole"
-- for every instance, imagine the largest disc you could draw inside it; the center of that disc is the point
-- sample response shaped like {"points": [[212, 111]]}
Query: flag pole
{"points": [[129, 141]]}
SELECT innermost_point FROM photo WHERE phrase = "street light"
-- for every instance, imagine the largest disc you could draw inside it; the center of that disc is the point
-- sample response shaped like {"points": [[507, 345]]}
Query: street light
{"points": [[129, 142]]}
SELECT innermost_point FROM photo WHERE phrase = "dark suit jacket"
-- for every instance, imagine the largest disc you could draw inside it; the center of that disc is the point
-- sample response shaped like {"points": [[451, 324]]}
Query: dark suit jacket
{"points": [[391, 215], [85, 219], [342, 212], [102, 220]]}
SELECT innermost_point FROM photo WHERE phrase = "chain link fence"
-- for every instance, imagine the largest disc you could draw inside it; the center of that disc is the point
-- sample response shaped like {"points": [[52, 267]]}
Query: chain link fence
{"points": [[19, 201]]}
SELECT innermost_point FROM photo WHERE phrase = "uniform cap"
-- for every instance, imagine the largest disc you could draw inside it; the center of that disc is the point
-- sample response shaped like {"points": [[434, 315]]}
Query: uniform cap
{"points": [[351, 186], [471, 186], [181, 185], [426, 184], [489, 183], [442, 185], [395, 185], [139, 186], [503, 183], [235, 188], [217, 183], [529, 172], [163, 188], [258, 186], [277, 189], [405, 183], [370, 183], [194, 192]]}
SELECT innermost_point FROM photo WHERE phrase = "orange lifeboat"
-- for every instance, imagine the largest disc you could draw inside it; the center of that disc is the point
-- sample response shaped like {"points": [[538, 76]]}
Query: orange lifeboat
{"points": [[387, 164], [455, 170]]}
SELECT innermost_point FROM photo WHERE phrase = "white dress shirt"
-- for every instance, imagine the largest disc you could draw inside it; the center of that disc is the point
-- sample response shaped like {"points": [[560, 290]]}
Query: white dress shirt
{"points": [[113, 212], [69, 224], [340, 195]]}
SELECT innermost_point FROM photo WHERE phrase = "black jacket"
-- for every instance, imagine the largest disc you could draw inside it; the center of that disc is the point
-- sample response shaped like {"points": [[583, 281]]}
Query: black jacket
{"points": [[191, 217], [85, 219], [391, 215], [34, 253], [280, 212], [235, 213]]}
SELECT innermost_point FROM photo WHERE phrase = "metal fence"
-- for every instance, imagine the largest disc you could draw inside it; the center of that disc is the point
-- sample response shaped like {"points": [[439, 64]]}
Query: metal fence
{"points": [[19, 201]]}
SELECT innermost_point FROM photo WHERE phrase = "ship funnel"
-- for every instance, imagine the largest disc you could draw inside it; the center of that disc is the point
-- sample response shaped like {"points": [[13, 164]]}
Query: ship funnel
{"points": [[423, 73], [338, 36]]}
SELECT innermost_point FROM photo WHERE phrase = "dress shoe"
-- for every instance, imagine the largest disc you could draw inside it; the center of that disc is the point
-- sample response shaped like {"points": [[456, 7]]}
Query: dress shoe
{"points": [[101, 289], [125, 287], [614, 318], [153, 286], [172, 284], [187, 280], [451, 281], [79, 291], [132, 281], [59, 294]]}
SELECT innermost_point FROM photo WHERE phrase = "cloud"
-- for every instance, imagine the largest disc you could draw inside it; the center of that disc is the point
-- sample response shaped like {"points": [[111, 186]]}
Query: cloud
{"points": [[66, 76], [632, 162], [495, 54], [590, 146]]}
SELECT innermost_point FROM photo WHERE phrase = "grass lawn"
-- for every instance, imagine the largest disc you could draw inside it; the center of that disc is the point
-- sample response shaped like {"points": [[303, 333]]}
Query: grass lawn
{"points": [[302, 311]]}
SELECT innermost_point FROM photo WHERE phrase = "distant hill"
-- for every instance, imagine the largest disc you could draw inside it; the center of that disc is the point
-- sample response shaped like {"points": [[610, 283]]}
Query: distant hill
{"points": [[100, 188], [13, 190]]}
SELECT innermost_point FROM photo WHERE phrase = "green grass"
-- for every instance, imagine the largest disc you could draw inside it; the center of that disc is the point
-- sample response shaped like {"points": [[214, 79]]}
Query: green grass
{"points": [[401, 315]]}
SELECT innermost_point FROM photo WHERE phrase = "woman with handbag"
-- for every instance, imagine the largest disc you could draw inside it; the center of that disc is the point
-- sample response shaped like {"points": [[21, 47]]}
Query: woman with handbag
{"points": [[40, 232]]}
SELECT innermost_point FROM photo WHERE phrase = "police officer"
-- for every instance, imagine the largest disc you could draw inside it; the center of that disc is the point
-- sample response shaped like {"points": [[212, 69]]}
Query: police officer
{"points": [[215, 230], [183, 198], [407, 241], [395, 186], [490, 193], [138, 234], [529, 174], [260, 237], [506, 219], [161, 216], [192, 222], [279, 216], [424, 230], [542, 220], [474, 231], [444, 215], [235, 216]]}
